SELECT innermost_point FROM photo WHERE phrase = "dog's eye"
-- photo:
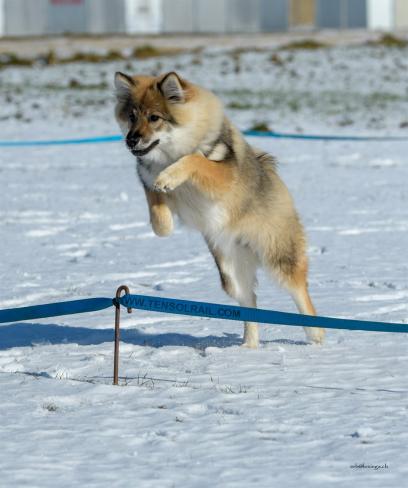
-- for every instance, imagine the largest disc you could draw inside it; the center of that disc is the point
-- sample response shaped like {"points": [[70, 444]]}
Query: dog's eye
{"points": [[153, 118], [132, 117]]}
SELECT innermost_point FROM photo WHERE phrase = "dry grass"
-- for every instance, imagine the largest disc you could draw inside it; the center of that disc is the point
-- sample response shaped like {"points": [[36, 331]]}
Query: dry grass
{"points": [[304, 44], [51, 58], [389, 40], [260, 127]]}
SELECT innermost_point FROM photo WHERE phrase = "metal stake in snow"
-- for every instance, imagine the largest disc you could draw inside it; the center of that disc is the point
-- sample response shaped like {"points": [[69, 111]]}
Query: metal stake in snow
{"points": [[117, 331]]}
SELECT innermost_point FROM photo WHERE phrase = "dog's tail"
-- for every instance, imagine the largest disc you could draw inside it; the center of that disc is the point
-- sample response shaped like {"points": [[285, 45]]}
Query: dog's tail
{"points": [[265, 158]]}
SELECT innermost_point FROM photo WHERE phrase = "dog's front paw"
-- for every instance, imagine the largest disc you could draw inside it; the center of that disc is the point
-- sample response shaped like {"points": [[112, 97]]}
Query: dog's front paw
{"points": [[169, 179]]}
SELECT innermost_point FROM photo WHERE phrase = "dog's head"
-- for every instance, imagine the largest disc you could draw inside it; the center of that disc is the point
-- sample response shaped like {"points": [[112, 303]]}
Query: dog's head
{"points": [[153, 112]]}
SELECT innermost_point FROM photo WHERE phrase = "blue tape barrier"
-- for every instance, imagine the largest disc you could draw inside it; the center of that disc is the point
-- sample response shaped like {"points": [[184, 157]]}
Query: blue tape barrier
{"points": [[231, 312], [251, 133], [54, 309], [62, 142], [193, 308], [321, 137]]}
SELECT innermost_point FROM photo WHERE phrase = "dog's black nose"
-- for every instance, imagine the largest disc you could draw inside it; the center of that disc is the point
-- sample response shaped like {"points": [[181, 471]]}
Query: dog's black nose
{"points": [[132, 139]]}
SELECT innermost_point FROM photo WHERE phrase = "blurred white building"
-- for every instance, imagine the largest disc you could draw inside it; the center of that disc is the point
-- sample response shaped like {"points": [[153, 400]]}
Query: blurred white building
{"points": [[388, 14], [41, 17], [143, 16]]}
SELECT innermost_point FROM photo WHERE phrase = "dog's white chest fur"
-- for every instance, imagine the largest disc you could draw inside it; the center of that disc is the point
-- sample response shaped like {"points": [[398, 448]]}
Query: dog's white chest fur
{"points": [[149, 171], [192, 207], [196, 211]]}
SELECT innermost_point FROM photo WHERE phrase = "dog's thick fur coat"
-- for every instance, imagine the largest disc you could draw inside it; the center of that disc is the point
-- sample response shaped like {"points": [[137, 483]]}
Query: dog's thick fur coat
{"points": [[194, 163]]}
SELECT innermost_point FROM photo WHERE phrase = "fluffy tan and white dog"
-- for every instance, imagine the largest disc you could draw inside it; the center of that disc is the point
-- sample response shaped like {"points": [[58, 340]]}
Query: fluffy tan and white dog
{"points": [[194, 163]]}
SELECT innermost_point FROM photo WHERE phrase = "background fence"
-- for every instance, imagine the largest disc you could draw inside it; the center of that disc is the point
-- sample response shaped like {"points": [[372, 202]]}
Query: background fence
{"points": [[41, 17]]}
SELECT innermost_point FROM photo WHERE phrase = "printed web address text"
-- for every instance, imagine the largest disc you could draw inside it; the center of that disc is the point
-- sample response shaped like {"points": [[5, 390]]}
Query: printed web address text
{"points": [[163, 305]]}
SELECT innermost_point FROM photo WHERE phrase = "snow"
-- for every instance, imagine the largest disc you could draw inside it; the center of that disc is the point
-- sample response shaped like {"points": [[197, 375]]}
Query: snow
{"points": [[193, 408]]}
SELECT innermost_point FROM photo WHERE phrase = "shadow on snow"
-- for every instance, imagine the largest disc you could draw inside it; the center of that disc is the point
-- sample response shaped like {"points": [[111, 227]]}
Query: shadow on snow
{"points": [[29, 334]]}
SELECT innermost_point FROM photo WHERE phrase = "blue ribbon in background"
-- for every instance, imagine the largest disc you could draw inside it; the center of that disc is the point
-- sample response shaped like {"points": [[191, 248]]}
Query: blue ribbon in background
{"points": [[251, 133]]}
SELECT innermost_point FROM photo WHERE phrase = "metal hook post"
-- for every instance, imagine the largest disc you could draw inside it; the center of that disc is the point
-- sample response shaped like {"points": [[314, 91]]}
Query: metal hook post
{"points": [[117, 332]]}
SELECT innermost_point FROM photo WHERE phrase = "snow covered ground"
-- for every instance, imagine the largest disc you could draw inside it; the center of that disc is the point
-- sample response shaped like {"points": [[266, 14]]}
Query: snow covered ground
{"points": [[194, 409]]}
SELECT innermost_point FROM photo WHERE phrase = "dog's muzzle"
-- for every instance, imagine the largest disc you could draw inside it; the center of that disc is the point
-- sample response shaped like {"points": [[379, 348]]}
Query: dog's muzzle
{"points": [[142, 151]]}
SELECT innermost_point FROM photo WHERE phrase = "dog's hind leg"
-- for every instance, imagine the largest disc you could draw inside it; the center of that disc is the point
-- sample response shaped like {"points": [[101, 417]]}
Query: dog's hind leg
{"points": [[237, 269], [295, 282]]}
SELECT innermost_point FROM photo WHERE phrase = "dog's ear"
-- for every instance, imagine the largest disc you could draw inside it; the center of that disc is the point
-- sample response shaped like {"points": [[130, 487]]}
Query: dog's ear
{"points": [[171, 87], [123, 84]]}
